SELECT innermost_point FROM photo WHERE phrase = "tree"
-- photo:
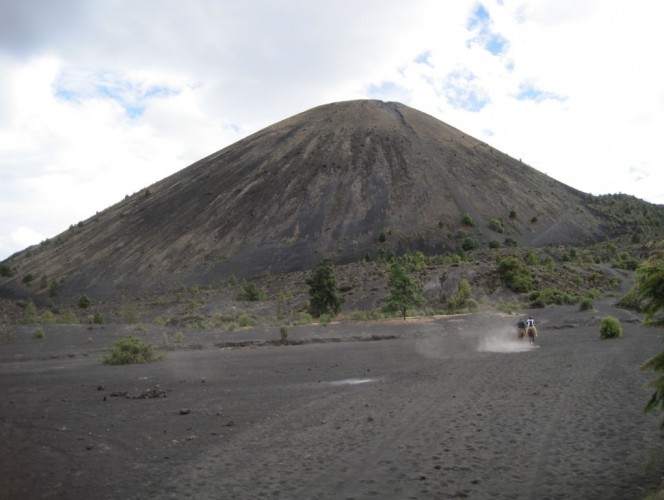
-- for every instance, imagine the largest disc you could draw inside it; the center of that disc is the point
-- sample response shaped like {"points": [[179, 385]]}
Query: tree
{"points": [[405, 290], [462, 298], [515, 275], [649, 288], [325, 297]]}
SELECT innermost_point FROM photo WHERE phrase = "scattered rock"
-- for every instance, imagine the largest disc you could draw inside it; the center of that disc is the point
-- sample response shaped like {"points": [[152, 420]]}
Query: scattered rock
{"points": [[100, 387], [185, 411], [155, 392]]}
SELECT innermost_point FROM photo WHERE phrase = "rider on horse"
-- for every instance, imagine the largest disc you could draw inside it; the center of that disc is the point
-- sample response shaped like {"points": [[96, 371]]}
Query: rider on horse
{"points": [[521, 329], [532, 331]]}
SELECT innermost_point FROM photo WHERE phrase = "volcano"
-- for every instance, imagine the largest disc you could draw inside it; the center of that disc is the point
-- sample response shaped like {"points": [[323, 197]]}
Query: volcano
{"points": [[342, 181]]}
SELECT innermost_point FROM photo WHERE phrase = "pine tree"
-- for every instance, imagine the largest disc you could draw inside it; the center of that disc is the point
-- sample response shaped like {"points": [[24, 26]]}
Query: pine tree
{"points": [[649, 288], [405, 290], [325, 297]]}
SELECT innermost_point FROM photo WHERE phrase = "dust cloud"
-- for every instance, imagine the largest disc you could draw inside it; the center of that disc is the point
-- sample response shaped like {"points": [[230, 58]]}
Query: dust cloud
{"points": [[502, 340], [459, 339]]}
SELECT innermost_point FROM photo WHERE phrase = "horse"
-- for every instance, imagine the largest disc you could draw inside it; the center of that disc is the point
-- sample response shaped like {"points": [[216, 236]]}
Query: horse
{"points": [[520, 333], [521, 329], [532, 333]]}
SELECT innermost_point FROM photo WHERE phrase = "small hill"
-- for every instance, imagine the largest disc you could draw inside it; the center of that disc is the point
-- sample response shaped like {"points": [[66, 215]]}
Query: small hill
{"points": [[342, 181]]}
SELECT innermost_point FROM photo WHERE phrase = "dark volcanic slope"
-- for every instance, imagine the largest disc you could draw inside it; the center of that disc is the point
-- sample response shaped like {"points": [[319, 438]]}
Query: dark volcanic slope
{"points": [[324, 183]]}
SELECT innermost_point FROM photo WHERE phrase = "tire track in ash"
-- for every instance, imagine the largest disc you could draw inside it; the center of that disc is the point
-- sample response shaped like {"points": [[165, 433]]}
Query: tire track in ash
{"points": [[323, 443], [383, 452], [586, 445]]}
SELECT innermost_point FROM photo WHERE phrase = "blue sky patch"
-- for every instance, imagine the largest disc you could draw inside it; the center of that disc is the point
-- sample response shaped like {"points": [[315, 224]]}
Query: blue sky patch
{"points": [[528, 92], [496, 44], [132, 95], [388, 91], [480, 23], [463, 91], [423, 58], [479, 18]]}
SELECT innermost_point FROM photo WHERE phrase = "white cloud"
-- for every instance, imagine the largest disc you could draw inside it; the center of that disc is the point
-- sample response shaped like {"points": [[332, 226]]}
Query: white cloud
{"points": [[100, 98], [24, 236]]}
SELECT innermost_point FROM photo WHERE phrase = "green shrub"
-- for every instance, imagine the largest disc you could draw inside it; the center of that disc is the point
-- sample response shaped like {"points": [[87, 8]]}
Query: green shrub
{"points": [[496, 225], [47, 318], [366, 315], [470, 244], [414, 261], [382, 237], [27, 279], [538, 303], [507, 307], [39, 333], [553, 296], [550, 264], [586, 304], [68, 318], [84, 302], [250, 292], [304, 319], [191, 306], [6, 271], [97, 319], [141, 329], [626, 261], [467, 220], [610, 328], [283, 333], [509, 242], [515, 275], [244, 320], [461, 299], [159, 321], [131, 315], [30, 313], [53, 288], [531, 258], [494, 244], [130, 350], [7, 332], [178, 337]]}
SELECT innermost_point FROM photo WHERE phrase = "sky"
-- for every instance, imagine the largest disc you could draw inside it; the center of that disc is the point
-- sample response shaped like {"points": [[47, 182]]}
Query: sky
{"points": [[101, 98]]}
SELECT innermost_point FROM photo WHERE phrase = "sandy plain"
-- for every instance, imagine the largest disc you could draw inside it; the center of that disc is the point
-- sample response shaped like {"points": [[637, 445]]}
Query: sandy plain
{"points": [[444, 407]]}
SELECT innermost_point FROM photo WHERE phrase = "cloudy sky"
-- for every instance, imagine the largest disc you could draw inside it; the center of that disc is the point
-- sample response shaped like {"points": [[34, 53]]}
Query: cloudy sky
{"points": [[100, 98]]}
